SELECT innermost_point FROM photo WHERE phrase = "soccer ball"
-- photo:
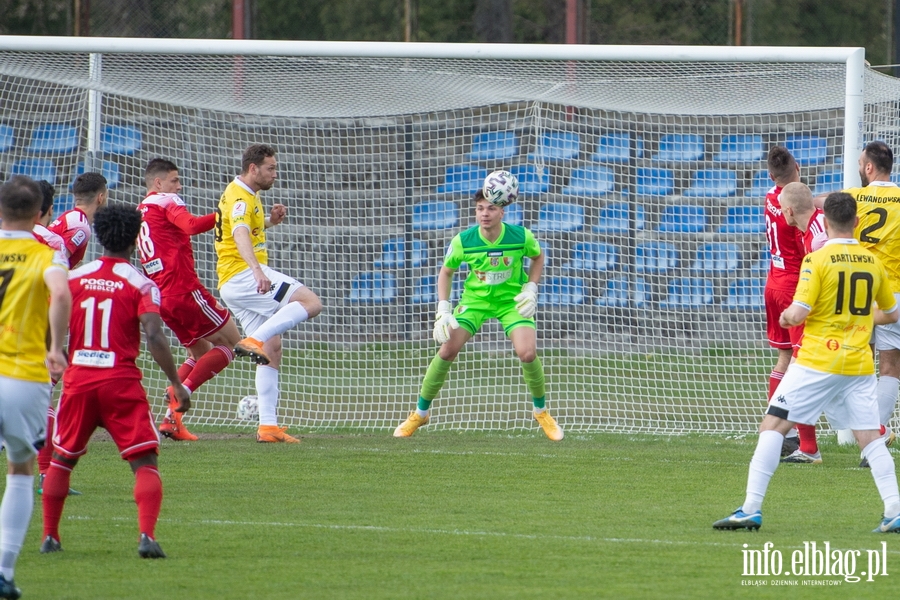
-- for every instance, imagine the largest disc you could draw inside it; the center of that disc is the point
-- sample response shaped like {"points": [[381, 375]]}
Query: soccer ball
{"points": [[500, 188], [248, 408]]}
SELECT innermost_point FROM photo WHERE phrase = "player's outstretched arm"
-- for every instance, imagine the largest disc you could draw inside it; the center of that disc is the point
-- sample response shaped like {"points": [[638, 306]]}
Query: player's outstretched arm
{"points": [[57, 282], [162, 354], [190, 224]]}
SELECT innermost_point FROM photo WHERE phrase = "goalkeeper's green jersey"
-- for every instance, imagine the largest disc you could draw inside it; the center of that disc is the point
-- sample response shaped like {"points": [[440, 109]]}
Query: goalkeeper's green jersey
{"points": [[496, 273]]}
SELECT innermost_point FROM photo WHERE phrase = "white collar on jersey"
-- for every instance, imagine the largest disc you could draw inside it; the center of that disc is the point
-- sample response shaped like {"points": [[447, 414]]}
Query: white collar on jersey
{"points": [[11, 234], [238, 181], [883, 183], [842, 241]]}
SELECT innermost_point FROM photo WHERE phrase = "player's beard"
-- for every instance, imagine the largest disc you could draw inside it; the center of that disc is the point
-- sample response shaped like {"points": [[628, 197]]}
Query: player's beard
{"points": [[863, 179]]}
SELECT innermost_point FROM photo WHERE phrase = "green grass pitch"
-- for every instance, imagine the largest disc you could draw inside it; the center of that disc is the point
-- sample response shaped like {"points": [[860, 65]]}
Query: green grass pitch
{"points": [[453, 515]]}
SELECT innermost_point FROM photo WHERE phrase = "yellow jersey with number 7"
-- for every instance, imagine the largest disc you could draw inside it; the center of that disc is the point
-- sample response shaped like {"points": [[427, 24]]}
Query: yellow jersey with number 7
{"points": [[878, 208]]}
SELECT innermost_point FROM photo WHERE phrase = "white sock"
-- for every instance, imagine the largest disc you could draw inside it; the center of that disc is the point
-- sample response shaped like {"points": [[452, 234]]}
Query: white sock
{"points": [[422, 413], [267, 394], [882, 465], [762, 467], [886, 393], [289, 316], [15, 515]]}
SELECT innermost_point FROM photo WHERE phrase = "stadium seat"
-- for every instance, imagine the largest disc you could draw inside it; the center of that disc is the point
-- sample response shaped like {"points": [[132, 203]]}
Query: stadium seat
{"points": [[829, 181], [807, 149], [746, 294], [655, 257], [494, 145], [895, 177], [55, 138], [716, 258], [682, 218], [712, 183], [425, 289], [393, 254], [562, 291], [590, 181], [108, 169], [740, 148], [688, 293], [654, 182], [614, 218], [759, 185], [373, 287], [622, 293], [462, 179], [36, 168], [744, 219], [434, 214], [62, 203], [557, 145], [7, 137], [592, 256], [616, 147], [680, 147], [560, 216], [514, 215], [120, 139], [531, 181]]}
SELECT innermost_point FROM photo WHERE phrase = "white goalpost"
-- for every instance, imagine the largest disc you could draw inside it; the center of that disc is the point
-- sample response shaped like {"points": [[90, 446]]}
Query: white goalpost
{"points": [[642, 172]]}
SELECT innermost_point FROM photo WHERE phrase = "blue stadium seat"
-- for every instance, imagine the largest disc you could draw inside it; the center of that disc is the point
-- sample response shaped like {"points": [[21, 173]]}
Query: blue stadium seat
{"points": [[683, 218], [680, 147], [557, 145], [514, 215], [7, 137], [494, 145], [56, 138], [655, 257], [688, 293], [829, 181], [760, 185], [592, 256], [36, 168], [425, 288], [895, 177], [622, 293], [746, 295], [462, 179], [531, 181], [807, 149], [393, 254], [590, 181], [120, 139], [373, 287], [654, 182], [712, 183], [616, 147], [562, 291], [613, 219], [744, 219], [434, 214], [62, 203], [108, 169], [560, 216], [717, 258], [740, 148]]}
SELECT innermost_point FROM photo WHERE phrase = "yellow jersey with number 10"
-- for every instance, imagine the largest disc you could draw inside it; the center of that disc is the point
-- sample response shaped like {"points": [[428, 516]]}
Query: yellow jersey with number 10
{"points": [[838, 284], [238, 207], [878, 207]]}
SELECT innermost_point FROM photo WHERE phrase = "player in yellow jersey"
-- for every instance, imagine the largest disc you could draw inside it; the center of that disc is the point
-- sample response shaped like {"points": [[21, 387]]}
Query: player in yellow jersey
{"points": [[267, 303], [835, 371], [34, 296]]}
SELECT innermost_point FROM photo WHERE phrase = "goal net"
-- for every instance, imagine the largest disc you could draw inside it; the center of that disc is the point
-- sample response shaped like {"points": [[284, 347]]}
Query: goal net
{"points": [[642, 177]]}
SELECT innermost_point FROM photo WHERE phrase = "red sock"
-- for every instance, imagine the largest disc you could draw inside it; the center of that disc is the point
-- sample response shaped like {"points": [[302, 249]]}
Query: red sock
{"points": [[45, 454], [184, 371], [210, 364], [775, 378], [807, 438], [148, 497], [56, 489]]}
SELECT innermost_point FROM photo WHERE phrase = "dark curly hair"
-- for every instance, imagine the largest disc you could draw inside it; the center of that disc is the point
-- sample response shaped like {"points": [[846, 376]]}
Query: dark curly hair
{"points": [[47, 193], [117, 227]]}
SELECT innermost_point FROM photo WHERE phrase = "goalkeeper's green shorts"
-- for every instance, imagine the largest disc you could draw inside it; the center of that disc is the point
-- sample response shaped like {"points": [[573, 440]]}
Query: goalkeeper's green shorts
{"points": [[471, 315]]}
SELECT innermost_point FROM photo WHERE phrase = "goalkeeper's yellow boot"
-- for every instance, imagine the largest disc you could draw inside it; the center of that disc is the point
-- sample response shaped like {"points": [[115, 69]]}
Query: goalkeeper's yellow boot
{"points": [[409, 426], [273, 434], [549, 425]]}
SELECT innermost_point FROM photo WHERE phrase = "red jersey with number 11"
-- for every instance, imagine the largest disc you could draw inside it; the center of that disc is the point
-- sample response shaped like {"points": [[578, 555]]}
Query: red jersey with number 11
{"points": [[108, 296], [785, 246]]}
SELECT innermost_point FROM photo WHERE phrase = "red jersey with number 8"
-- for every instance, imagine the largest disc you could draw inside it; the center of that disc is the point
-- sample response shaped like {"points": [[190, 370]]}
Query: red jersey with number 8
{"points": [[108, 297], [785, 246]]}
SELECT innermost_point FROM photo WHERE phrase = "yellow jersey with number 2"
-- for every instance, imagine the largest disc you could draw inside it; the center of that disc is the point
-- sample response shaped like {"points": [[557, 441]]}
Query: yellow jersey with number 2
{"points": [[878, 207], [238, 207]]}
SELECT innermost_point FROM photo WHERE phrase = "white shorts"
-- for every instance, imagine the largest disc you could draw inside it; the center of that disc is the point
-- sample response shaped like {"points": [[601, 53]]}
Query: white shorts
{"points": [[887, 337], [847, 400], [23, 417], [249, 306]]}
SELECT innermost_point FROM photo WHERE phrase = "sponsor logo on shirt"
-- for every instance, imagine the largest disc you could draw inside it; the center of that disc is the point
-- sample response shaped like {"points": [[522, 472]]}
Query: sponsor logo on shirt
{"points": [[153, 266], [239, 210], [89, 283], [832, 345], [495, 253], [94, 358], [493, 277]]}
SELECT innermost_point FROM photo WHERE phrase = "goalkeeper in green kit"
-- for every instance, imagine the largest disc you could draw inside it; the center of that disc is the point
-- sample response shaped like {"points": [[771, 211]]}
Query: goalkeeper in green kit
{"points": [[497, 287]]}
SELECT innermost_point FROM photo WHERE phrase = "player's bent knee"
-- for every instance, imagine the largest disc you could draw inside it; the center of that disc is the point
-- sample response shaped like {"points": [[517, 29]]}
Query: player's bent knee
{"points": [[528, 355], [309, 300]]}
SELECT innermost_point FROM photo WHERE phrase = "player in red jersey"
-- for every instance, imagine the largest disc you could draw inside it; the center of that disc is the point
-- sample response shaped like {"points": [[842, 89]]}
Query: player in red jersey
{"points": [[201, 323], [111, 302], [786, 250]]}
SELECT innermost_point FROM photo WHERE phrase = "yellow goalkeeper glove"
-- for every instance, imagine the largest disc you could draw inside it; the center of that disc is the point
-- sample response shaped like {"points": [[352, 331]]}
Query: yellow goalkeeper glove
{"points": [[444, 322]]}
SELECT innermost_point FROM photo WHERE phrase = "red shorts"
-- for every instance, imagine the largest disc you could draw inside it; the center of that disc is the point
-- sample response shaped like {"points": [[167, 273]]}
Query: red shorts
{"points": [[193, 316], [779, 337], [120, 406]]}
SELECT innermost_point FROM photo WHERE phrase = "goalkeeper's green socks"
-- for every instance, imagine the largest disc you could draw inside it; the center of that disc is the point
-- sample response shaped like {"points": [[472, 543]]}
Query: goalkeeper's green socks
{"points": [[422, 407], [432, 384], [534, 379]]}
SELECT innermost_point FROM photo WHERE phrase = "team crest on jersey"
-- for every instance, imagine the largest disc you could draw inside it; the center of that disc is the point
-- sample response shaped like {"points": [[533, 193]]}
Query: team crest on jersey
{"points": [[495, 262], [239, 210], [507, 261]]}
